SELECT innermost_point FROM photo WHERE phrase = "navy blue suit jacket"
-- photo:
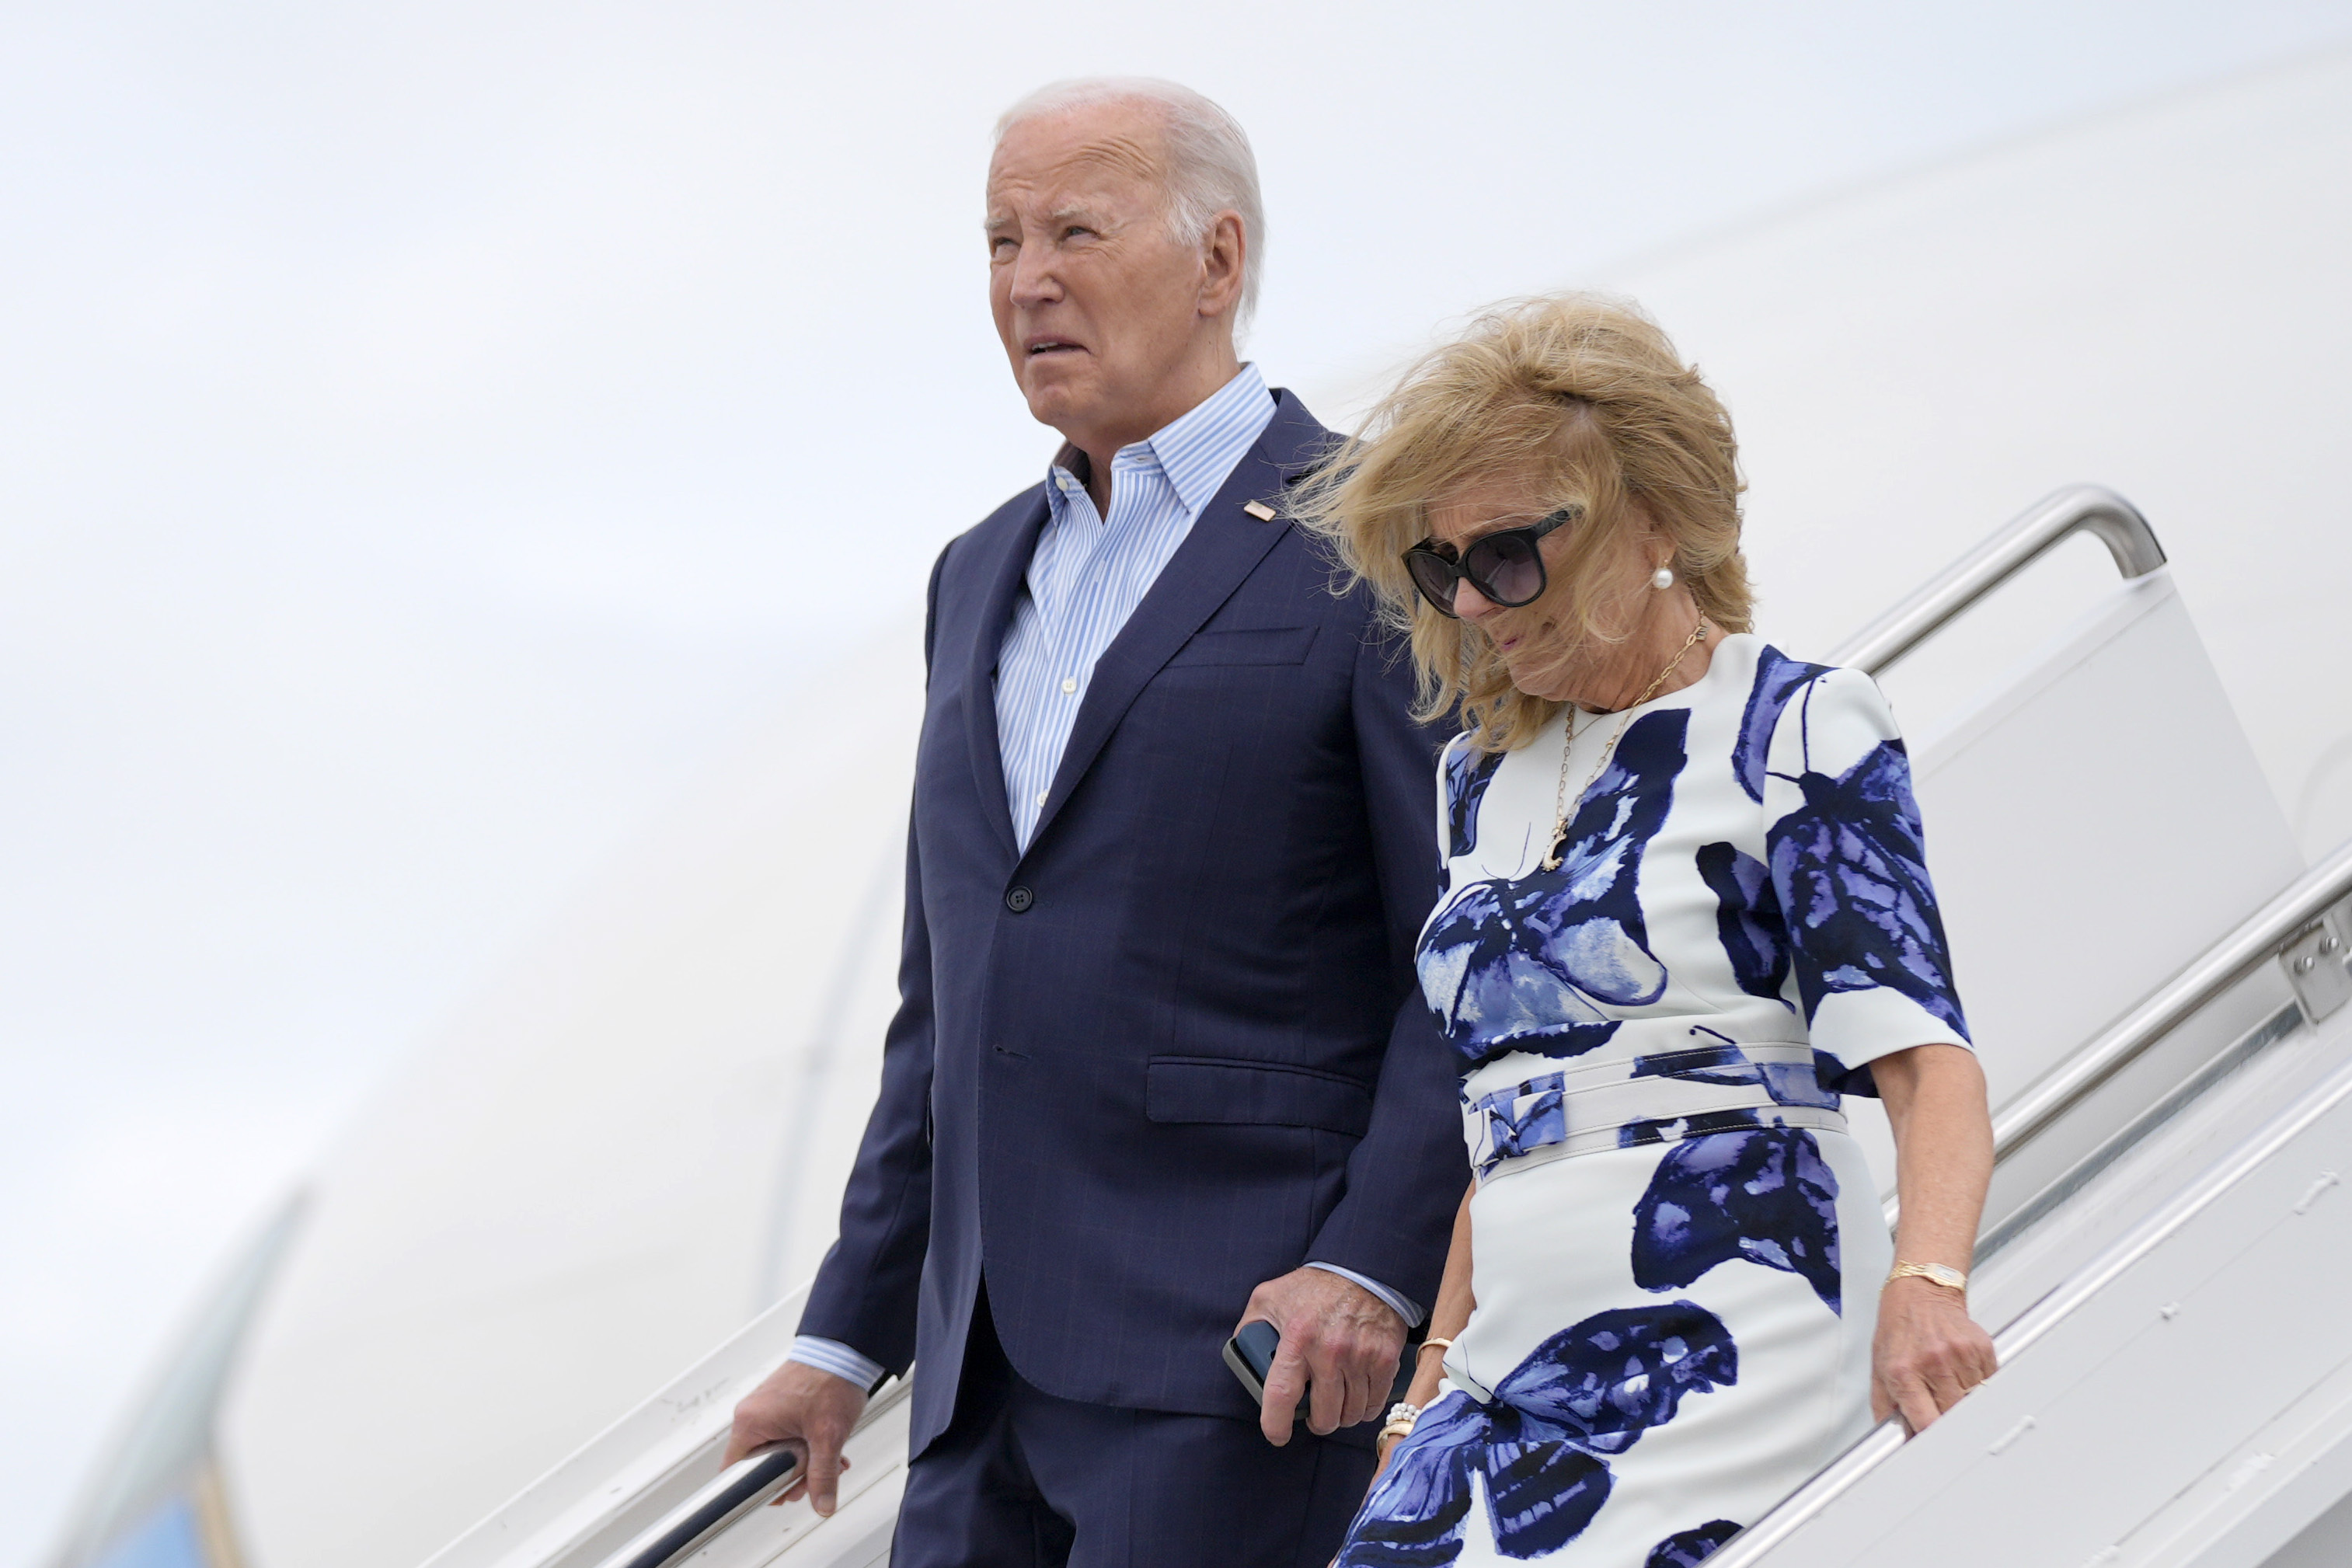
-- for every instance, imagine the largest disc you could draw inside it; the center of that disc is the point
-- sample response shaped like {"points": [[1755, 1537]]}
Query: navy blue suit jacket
{"points": [[1175, 1048]]}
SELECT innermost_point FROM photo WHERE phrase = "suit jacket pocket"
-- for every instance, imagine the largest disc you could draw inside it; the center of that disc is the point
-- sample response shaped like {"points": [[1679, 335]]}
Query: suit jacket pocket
{"points": [[1265, 1094], [1255, 645]]}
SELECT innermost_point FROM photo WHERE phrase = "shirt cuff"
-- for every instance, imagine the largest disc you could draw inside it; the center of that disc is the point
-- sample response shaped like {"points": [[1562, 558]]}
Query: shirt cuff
{"points": [[833, 1356], [1403, 1307]]}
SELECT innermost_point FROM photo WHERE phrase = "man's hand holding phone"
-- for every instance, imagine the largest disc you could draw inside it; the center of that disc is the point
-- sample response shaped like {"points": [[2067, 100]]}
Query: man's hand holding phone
{"points": [[1340, 1348]]}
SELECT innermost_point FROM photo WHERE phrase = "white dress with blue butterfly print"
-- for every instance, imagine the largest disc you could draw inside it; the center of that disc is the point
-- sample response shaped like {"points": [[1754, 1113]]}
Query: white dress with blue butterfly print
{"points": [[1677, 1248]]}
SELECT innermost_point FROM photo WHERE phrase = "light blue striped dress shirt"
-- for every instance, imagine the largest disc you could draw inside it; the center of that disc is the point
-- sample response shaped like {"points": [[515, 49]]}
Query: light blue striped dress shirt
{"points": [[1086, 577], [1089, 573]]}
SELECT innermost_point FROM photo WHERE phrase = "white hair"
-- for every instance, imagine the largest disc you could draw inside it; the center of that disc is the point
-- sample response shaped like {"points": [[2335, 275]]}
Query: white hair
{"points": [[1210, 168]]}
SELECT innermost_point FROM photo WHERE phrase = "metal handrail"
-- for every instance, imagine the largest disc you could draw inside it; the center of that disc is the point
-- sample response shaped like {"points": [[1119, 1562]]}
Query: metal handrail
{"points": [[2078, 508], [2256, 941], [1814, 1499], [734, 1492]]}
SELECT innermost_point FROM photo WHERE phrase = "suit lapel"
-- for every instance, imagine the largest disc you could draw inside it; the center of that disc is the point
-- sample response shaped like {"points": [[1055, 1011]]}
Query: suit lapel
{"points": [[1005, 572], [1224, 547]]}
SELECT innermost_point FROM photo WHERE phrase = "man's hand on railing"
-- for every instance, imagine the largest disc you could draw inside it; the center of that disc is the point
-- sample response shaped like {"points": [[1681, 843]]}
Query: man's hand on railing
{"points": [[808, 1411]]}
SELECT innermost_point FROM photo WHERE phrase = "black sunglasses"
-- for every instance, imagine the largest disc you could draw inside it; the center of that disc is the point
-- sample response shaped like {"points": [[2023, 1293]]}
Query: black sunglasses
{"points": [[1506, 566]]}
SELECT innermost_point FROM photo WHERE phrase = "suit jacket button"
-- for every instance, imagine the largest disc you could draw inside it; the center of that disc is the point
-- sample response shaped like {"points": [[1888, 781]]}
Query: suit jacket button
{"points": [[1019, 899]]}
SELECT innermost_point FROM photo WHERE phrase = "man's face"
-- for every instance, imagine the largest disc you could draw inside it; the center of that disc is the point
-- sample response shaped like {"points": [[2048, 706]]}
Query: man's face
{"points": [[1094, 301]]}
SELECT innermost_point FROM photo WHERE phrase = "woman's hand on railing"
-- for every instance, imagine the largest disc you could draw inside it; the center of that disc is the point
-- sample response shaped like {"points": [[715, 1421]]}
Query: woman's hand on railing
{"points": [[1928, 1351]]}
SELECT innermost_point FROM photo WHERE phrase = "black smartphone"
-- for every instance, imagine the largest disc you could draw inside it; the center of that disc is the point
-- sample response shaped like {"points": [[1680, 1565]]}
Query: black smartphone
{"points": [[1250, 1353]]}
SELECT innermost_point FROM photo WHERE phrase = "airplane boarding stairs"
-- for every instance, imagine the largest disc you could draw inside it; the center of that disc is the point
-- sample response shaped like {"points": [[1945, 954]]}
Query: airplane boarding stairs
{"points": [[2156, 988]]}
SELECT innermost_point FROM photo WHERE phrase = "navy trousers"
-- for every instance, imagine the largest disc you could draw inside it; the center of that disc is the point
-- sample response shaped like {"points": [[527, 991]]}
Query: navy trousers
{"points": [[1023, 1479]]}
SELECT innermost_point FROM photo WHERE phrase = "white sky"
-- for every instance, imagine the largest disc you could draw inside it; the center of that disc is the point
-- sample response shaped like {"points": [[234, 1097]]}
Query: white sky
{"points": [[430, 436]]}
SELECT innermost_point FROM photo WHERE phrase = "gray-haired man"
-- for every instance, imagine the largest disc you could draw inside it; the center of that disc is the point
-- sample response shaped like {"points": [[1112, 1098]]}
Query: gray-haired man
{"points": [[1158, 1069]]}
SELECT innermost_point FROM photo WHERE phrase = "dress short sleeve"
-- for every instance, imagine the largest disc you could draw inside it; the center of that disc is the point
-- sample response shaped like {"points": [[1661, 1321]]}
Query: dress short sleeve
{"points": [[1869, 967]]}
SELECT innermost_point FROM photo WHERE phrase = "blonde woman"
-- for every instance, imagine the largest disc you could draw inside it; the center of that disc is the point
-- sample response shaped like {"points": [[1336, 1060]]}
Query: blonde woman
{"points": [[1685, 909]]}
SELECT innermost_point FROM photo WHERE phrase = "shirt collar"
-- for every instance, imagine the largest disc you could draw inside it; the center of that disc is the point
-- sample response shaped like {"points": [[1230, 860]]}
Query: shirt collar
{"points": [[1197, 451]]}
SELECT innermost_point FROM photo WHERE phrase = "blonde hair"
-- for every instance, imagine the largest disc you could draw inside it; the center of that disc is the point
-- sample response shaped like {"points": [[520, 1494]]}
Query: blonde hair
{"points": [[1584, 397]]}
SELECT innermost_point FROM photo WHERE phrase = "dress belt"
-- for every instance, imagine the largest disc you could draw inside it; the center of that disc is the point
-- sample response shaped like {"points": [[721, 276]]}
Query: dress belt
{"points": [[1656, 1099]]}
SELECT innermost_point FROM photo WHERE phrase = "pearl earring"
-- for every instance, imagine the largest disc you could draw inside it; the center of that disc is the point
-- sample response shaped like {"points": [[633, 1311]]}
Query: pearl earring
{"points": [[1662, 578]]}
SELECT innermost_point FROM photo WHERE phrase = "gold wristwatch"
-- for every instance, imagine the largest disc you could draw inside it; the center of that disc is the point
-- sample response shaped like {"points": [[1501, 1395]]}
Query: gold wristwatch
{"points": [[1942, 1274]]}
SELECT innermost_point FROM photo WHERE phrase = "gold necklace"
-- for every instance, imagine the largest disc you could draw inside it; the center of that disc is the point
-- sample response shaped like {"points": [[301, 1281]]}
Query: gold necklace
{"points": [[1559, 801]]}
